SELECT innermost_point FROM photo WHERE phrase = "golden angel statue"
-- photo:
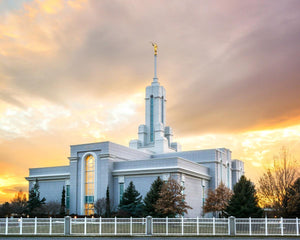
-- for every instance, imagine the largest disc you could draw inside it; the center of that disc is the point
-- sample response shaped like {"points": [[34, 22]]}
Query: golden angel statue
{"points": [[155, 48]]}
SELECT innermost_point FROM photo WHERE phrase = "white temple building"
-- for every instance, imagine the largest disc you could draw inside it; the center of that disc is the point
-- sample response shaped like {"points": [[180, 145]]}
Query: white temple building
{"points": [[95, 166]]}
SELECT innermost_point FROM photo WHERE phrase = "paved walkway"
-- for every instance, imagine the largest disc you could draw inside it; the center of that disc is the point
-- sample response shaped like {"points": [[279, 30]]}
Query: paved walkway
{"points": [[144, 238]]}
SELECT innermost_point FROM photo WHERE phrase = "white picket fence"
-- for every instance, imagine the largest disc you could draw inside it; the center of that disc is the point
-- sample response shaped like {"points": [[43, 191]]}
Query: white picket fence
{"points": [[108, 226], [32, 226], [267, 226], [150, 226], [190, 226]]}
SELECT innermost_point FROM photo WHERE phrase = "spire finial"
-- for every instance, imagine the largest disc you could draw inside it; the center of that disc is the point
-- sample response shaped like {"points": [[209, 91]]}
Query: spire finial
{"points": [[155, 62], [155, 48]]}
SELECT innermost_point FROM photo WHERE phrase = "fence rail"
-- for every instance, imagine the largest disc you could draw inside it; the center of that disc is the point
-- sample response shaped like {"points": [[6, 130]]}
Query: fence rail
{"points": [[108, 226], [32, 226], [190, 226], [267, 226], [150, 226]]}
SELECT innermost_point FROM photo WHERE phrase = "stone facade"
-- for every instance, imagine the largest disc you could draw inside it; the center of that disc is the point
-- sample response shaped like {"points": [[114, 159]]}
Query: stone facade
{"points": [[95, 166]]}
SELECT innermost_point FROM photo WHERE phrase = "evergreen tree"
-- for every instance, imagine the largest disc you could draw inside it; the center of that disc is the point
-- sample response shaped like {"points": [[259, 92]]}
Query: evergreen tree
{"points": [[172, 200], [151, 198], [5, 210], [63, 202], [34, 204], [107, 205], [293, 204], [244, 203], [131, 203]]}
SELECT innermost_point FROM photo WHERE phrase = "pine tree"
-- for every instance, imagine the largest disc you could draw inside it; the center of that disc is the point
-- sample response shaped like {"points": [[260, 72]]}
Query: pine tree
{"points": [[5, 210], [107, 205], [293, 204], [244, 202], [131, 203], [172, 200], [34, 203], [63, 202], [151, 198]]}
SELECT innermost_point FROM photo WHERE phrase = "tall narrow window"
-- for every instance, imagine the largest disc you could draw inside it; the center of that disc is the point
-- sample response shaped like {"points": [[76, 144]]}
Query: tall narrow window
{"points": [[89, 184], [221, 170], [203, 195], [151, 120], [182, 191], [68, 197], [162, 110], [121, 191], [182, 185], [228, 176], [121, 181]]}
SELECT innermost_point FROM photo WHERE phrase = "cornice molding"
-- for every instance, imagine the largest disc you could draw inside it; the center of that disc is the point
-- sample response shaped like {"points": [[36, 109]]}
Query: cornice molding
{"points": [[143, 171], [73, 159], [62, 176]]}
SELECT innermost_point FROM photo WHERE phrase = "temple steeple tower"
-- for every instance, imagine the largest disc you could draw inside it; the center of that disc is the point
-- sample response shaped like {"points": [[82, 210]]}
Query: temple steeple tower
{"points": [[154, 136]]}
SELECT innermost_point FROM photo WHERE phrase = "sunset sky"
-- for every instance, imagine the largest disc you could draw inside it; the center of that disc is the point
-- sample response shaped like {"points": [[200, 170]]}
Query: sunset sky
{"points": [[75, 71]]}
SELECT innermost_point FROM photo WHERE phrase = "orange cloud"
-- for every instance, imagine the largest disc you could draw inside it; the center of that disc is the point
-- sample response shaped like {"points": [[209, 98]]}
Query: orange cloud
{"points": [[256, 148], [51, 6], [75, 71], [77, 3]]}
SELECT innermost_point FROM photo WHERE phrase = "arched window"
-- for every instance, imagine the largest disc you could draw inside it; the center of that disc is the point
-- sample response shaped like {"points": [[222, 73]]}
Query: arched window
{"points": [[89, 185]]}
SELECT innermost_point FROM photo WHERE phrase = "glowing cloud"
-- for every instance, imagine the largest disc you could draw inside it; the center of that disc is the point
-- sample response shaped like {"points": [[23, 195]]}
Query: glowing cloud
{"points": [[74, 71]]}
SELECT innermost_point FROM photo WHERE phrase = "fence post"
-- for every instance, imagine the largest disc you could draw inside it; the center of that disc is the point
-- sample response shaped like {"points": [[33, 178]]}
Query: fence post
{"points": [[214, 226], [50, 225], [281, 226], [6, 226], [197, 225], [115, 225], [35, 225], [182, 226], [21, 225], [250, 227], [149, 225], [152, 228], [266, 226], [167, 226], [297, 226], [100, 225], [67, 225], [84, 225], [232, 226], [130, 225]]}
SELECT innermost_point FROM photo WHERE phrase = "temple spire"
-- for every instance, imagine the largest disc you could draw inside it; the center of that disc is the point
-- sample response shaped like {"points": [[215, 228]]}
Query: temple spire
{"points": [[155, 62], [154, 136]]}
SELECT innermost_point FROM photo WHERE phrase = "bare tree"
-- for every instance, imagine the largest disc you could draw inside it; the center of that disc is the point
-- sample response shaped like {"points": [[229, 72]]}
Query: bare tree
{"points": [[100, 206], [217, 200], [275, 183], [172, 200], [19, 203], [52, 208]]}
